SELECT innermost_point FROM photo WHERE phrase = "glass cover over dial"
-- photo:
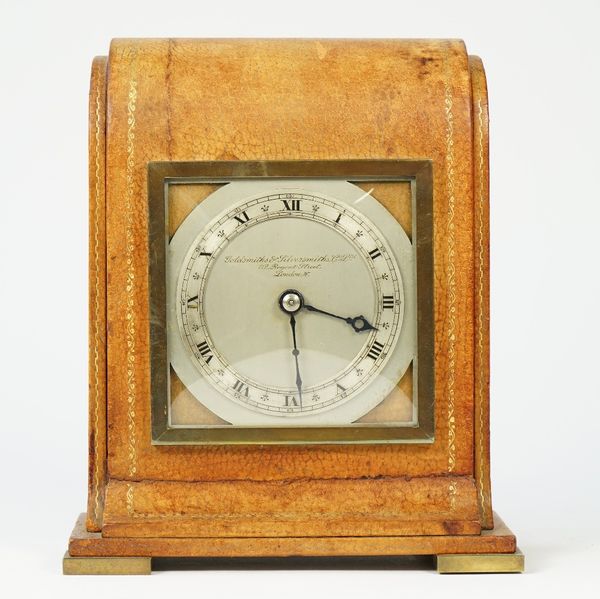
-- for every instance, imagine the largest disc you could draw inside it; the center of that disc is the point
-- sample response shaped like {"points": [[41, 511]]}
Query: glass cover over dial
{"points": [[290, 302]]}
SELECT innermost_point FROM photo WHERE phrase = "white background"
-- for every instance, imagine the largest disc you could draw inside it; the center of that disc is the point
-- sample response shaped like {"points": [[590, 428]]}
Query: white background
{"points": [[542, 65]]}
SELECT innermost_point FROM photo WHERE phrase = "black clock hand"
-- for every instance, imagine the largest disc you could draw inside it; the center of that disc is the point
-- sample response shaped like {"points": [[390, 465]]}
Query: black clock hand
{"points": [[295, 353], [358, 323]]}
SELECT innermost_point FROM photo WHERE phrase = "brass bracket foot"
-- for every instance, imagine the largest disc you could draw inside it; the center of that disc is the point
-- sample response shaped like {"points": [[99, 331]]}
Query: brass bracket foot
{"points": [[482, 563], [106, 565]]}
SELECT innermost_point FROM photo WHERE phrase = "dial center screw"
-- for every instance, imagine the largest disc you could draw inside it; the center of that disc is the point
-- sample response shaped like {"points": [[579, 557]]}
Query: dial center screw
{"points": [[290, 301]]}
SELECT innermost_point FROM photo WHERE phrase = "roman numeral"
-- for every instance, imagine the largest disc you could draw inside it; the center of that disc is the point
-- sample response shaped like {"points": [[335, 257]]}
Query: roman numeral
{"points": [[374, 254], [291, 204], [240, 388], [193, 302], [242, 218], [342, 389], [375, 350], [388, 302], [205, 351], [205, 254], [290, 400], [337, 220]]}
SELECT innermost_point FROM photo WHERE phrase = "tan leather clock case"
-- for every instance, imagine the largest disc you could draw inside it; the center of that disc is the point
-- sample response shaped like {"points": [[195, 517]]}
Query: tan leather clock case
{"points": [[199, 100]]}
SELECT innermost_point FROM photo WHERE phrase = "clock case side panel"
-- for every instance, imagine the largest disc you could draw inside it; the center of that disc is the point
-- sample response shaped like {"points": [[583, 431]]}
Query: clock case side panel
{"points": [[97, 464], [481, 228]]}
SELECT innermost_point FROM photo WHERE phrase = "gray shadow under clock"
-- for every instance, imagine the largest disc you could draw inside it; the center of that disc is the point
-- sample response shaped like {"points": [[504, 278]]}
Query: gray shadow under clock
{"points": [[403, 562]]}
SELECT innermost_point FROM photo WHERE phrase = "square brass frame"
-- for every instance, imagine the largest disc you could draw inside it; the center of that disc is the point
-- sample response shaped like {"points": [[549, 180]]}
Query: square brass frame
{"points": [[420, 175]]}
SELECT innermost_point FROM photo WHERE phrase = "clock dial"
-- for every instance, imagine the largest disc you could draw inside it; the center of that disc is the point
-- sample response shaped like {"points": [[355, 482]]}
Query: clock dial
{"points": [[290, 303]]}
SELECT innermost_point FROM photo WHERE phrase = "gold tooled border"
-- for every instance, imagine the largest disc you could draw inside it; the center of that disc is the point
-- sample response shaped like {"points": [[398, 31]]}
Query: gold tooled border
{"points": [[450, 284], [130, 279], [130, 318]]}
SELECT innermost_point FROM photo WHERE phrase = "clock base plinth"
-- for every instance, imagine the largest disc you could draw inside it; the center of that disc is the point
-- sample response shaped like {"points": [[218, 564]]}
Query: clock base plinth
{"points": [[492, 551]]}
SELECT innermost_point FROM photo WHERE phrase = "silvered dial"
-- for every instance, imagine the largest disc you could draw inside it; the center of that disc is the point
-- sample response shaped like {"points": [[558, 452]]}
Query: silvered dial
{"points": [[289, 305]]}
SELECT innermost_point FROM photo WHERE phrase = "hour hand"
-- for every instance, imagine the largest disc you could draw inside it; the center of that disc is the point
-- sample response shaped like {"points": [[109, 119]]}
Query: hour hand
{"points": [[358, 323]]}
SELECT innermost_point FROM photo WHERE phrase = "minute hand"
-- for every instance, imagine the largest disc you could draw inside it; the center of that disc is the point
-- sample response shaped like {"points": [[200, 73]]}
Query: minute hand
{"points": [[295, 353], [358, 323]]}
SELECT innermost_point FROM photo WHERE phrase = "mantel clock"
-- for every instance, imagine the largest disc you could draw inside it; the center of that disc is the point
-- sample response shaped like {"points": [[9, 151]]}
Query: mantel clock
{"points": [[288, 304]]}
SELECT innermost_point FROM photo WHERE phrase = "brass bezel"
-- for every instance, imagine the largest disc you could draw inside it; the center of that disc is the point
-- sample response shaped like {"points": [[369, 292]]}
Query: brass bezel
{"points": [[420, 175]]}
